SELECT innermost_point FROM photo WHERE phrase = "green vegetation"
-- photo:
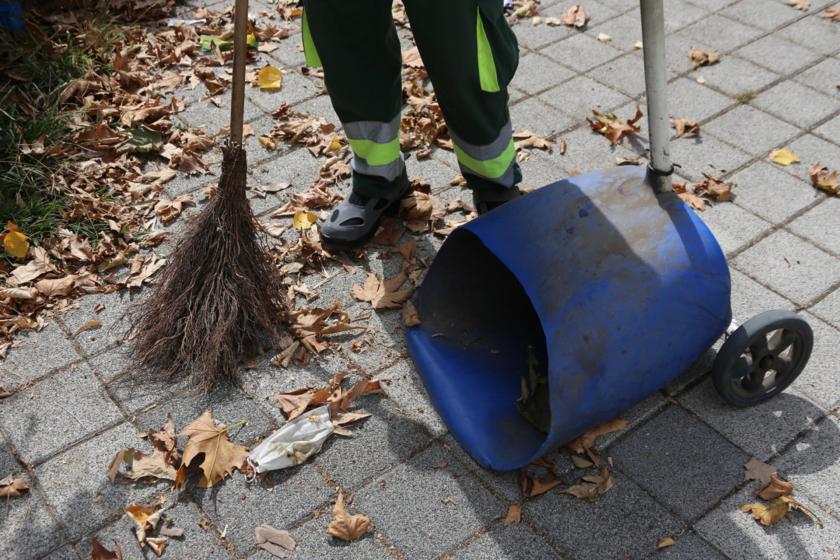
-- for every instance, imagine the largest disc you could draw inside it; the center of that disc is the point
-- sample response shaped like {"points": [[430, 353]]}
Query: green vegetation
{"points": [[745, 96]]}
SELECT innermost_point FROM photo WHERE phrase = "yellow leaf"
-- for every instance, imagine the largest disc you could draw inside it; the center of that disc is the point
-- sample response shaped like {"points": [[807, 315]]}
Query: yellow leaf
{"points": [[270, 78], [776, 488], [304, 220], [767, 514], [220, 456], [16, 244], [784, 157]]}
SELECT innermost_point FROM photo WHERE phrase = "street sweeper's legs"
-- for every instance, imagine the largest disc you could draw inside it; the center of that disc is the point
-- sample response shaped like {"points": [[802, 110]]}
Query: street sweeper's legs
{"points": [[471, 55]]}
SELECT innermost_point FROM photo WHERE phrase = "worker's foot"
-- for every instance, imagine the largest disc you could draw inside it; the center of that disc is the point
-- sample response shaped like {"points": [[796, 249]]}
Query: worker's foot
{"points": [[487, 198], [356, 219]]}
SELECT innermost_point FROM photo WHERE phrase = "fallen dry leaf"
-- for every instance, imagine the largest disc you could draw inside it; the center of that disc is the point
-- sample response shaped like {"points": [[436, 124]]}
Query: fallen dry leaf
{"points": [[57, 286], [832, 14], [689, 197], [383, 293], [776, 488], [585, 442], [612, 127], [824, 179], [703, 57], [269, 78], [575, 16], [714, 188], [685, 128], [344, 526], [274, 541], [99, 552], [220, 456], [88, 326], [304, 220], [11, 487], [513, 515], [531, 487], [665, 542], [784, 157], [410, 316], [767, 514], [802, 5], [15, 242], [591, 487], [145, 520]]}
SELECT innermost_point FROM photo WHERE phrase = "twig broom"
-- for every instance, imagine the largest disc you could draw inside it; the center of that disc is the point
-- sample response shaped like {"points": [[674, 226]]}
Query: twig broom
{"points": [[219, 299]]}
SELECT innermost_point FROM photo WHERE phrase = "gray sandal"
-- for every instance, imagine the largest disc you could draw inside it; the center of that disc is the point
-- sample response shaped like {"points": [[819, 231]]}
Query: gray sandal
{"points": [[356, 219]]}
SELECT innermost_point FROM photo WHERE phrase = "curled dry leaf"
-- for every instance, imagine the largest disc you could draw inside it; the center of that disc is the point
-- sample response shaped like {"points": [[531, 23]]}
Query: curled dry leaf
{"points": [[274, 541], [209, 439], [714, 188], [575, 16], [146, 519], [593, 486], [89, 325], [689, 197], [802, 5], [11, 487], [703, 57], [825, 179], [665, 542], [531, 487], [585, 442], [344, 526], [612, 127], [832, 14], [776, 488], [513, 515], [54, 287], [383, 293], [527, 139], [685, 128]]}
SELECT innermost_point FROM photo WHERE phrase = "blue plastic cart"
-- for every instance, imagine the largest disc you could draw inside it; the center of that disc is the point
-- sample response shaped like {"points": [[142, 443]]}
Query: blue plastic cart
{"points": [[11, 15], [610, 281]]}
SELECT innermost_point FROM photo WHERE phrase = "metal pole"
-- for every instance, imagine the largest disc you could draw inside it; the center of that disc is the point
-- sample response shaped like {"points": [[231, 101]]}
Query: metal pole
{"points": [[653, 41]]}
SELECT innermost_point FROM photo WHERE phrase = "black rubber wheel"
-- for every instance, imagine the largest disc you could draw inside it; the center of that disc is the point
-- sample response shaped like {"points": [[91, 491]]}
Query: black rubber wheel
{"points": [[762, 357]]}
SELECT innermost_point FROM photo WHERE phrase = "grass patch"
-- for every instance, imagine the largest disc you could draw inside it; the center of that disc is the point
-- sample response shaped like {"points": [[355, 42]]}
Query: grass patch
{"points": [[745, 96], [33, 73]]}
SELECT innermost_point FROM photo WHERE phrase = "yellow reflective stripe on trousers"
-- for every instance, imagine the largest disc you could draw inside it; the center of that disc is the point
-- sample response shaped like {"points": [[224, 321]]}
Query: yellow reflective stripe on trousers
{"points": [[374, 153], [313, 60], [486, 63], [491, 168]]}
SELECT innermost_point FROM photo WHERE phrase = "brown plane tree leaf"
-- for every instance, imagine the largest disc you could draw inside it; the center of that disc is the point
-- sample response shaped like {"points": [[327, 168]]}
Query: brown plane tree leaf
{"points": [[591, 487], [703, 57], [767, 514], [585, 442], [410, 316], [832, 14], [802, 5], [274, 541], [776, 488], [344, 526], [714, 188], [383, 293], [685, 128], [220, 456], [825, 179], [99, 552], [531, 487], [614, 128], [11, 487], [513, 515], [689, 197], [759, 470], [575, 16]]}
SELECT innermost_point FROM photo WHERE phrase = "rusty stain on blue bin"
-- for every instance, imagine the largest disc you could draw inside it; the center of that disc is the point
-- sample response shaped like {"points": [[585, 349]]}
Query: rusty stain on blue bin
{"points": [[617, 289]]}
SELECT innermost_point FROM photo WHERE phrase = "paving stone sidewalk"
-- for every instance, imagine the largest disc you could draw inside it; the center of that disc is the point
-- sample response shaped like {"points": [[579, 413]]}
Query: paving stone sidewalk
{"points": [[679, 465]]}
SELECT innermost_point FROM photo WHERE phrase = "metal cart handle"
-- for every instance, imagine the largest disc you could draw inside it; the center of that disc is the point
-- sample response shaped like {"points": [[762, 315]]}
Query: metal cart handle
{"points": [[653, 45]]}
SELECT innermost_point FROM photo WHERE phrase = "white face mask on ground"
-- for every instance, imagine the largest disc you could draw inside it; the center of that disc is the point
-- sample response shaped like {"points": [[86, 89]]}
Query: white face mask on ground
{"points": [[294, 443]]}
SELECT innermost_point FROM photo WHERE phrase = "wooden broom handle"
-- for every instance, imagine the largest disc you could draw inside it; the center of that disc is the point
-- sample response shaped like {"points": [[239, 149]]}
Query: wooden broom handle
{"points": [[240, 51]]}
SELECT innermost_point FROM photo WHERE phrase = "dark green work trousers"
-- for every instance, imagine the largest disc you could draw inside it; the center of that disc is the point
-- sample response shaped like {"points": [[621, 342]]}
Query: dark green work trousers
{"points": [[471, 54]]}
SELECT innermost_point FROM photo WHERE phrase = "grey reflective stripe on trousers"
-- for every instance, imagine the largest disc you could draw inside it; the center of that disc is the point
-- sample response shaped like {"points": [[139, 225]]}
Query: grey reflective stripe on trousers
{"points": [[489, 152], [379, 133]]}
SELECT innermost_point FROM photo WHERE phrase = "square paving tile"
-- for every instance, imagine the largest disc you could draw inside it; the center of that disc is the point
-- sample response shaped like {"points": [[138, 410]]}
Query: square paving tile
{"points": [[536, 73], [450, 501], [538, 117], [735, 76], [29, 361], [821, 224], [57, 412], [812, 464], [28, 530], [741, 537], [406, 393], [751, 130], [625, 74], [658, 457], [812, 149], [580, 95], [581, 52], [626, 520], [111, 309], [814, 32], [688, 99], [822, 77], [733, 227], [197, 542], [706, 154], [624, 30], [588, 151], [796, 103], [721, 33], [514, 541], [777, 54], [282, 500], [749, 298], [819, 379], [762, 430], [775, 195], [829, 308], [792, 267], [765, 14], [76, 481]]}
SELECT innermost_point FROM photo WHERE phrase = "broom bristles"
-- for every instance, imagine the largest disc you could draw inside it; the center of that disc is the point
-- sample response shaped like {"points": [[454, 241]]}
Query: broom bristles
{"points": [[219, 298]]}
